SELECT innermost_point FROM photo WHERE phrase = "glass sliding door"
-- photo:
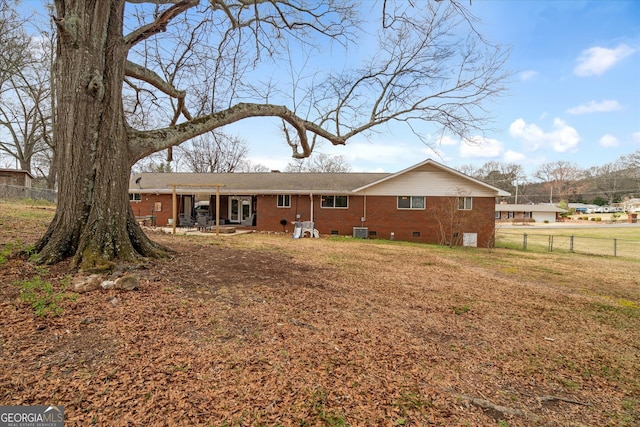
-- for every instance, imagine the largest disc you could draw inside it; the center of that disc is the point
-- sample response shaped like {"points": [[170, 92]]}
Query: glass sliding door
{"points": [[240, 209]]}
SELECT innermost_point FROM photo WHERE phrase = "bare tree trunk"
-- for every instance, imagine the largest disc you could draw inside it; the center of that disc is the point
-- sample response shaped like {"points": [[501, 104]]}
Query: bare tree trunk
{"points": [[94, 222]]}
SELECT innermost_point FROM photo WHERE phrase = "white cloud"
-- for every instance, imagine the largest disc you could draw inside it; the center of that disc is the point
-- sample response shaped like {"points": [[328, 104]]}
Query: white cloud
{"points": [[447, 140], [511, 156], [596, 107], [527, 75], [531, 134], [562, 138], [596, 60], [480, 147], [608, 141]]}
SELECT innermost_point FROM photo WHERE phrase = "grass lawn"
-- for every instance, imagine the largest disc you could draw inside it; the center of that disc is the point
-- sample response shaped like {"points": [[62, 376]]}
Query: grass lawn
{"points": [[262, 329], [595, 240]]}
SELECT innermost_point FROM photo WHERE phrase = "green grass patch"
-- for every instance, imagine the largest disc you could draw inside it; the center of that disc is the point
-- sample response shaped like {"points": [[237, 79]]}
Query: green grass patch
{"points": [[409, 402], [320, 411], [42, 296], [12, 249]]}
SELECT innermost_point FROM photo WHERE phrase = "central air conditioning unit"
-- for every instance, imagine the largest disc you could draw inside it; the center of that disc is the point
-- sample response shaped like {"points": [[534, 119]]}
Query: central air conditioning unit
{"points": [[360, 232]]}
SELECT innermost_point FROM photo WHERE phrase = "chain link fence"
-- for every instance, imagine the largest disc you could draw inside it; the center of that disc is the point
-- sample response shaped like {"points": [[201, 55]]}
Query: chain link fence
{"points": [[16, 192], [569, 244]]}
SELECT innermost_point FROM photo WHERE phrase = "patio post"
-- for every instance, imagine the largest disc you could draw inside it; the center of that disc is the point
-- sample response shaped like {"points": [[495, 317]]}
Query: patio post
{"points": [[174, 210]]}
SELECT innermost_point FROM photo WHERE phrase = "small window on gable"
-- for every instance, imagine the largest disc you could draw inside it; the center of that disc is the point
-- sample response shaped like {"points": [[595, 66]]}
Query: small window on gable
{"points": [[465, 203], [135, 197], [335, 201], [284, 200], [411, 202]]}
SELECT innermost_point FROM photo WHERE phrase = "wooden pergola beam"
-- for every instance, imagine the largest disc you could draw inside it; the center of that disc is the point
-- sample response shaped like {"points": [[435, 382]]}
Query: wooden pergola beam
{"points": [[174, 199]]}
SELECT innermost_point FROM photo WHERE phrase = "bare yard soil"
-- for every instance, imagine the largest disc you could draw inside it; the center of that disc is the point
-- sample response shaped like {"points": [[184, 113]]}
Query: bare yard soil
{"points": [[265, 330]]}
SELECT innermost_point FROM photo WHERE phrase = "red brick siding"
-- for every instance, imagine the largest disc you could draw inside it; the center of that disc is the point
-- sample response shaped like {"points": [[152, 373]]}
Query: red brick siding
{"points": [[438, 223], [146, 207]]}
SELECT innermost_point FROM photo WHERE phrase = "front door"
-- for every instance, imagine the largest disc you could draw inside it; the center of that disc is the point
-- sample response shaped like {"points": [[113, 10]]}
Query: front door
{"points": [[239, 209]]}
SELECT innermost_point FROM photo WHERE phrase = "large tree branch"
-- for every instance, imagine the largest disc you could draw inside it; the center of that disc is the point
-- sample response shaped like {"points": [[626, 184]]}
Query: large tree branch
{"points": [[143, 143], [139, 72], [161, 22]]}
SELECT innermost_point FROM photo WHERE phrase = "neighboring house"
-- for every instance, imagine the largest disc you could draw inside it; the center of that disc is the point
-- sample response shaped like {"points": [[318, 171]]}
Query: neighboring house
{"points": [[528, 213], [427, 202], [581, 208], [631, 205], [20, 178]]}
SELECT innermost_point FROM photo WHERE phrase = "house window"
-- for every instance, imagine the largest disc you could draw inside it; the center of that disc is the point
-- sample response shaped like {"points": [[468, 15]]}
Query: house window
{"points": [[284, 200], [498, 215], [528, 214], [135, 197], [511, 215], [335, 201], [411, 202], [465, 203]]}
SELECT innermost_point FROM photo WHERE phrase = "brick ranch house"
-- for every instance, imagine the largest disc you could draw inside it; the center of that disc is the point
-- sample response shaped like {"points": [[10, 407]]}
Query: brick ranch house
{"points": [[528, 213], [427, 202]]}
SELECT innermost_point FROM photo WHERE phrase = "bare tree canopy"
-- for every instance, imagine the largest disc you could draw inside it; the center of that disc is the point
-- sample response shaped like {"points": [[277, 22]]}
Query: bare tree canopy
{"points": [[14, 43], [136, 77], [319, 162], [214, 152], [25, 111], [611, 179], [561, 177]]}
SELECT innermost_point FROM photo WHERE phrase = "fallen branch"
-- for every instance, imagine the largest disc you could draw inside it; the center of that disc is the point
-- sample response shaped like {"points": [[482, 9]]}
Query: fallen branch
{"points": [[485, 404], [302, 324], [563, 399]]}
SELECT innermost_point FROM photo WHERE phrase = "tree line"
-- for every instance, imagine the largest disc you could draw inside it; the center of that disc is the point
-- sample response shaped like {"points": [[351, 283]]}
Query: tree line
{"points": [[557, 181]]}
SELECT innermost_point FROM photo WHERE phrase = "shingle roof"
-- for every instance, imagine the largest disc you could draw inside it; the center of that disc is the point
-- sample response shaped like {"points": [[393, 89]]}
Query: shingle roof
{"points": [[253, 183], [528, 208]]}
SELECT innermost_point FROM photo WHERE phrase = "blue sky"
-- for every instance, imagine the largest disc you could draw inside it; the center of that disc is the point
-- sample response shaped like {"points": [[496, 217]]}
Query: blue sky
{"points": [[574, 95]]}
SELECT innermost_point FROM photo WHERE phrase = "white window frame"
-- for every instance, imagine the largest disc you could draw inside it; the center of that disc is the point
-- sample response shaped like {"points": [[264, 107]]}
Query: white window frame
{"points": [[465, 203], [135, 197], [411, 202], [283, 201], [333, 198]]}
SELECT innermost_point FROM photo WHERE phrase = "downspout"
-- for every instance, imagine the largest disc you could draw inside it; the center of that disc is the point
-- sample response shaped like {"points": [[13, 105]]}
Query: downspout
{"points": [[311, 197], [364, 209]]}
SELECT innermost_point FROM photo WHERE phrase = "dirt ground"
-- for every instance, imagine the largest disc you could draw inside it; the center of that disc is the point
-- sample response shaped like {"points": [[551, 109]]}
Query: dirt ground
{"points": [[265, 330]]}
